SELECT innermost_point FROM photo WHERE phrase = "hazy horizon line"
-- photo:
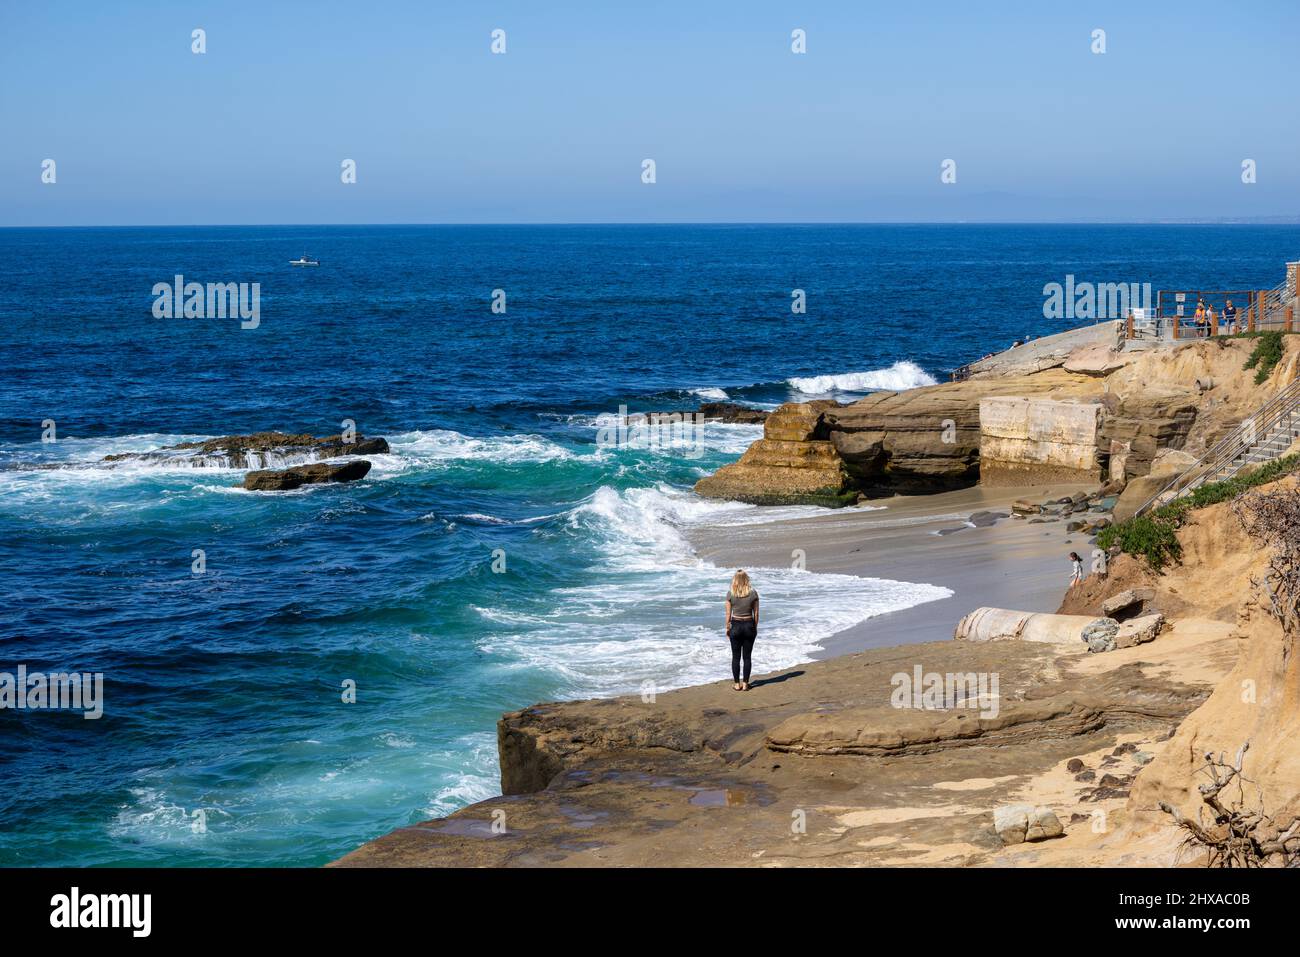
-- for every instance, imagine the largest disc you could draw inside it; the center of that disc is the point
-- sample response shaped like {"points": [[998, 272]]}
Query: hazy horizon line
{"points": [[1289, 220]]}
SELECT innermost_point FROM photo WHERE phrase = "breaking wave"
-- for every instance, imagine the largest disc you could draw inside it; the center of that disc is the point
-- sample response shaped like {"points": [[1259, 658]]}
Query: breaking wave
{"points": [[900, 376]]}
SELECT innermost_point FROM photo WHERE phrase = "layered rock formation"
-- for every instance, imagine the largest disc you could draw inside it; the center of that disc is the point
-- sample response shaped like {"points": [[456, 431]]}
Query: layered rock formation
{"points": [[706, 777], [793, 462], [929, 439], [922, 440], [1137, 427], [1050, 352]]}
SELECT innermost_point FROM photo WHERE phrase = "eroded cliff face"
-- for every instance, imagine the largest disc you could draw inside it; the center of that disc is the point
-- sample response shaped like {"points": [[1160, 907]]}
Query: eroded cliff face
{"points": [[932, 439], [1033, 441], [922, 440], [1258, 701]]}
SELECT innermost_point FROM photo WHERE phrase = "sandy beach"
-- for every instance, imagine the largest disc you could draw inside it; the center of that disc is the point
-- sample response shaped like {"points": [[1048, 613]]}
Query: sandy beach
{"points": [[1013, 563]]}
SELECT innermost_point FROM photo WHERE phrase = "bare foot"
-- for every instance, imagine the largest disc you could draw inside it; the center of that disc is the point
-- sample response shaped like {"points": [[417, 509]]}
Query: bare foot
{"points": [[737, 687]]}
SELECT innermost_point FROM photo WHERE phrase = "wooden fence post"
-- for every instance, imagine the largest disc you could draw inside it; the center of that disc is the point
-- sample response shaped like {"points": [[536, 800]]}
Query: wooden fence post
{"points": [[1289, 310]]}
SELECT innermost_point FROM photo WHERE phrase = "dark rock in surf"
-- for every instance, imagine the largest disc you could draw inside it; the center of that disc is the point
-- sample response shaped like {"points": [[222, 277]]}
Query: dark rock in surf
{"points": [[250, 451], [732, 413], [283, 480]]}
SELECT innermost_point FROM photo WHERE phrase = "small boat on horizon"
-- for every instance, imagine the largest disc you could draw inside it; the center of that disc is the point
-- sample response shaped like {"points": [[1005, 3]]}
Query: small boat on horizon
{"points": [[304, 261]]}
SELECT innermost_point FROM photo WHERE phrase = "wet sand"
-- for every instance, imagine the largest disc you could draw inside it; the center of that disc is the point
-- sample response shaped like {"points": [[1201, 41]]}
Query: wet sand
{"points": [[1014, 563]]}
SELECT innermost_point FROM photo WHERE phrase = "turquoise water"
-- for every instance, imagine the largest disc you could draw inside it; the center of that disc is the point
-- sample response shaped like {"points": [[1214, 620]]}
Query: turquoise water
{"points": [[224, 691]]}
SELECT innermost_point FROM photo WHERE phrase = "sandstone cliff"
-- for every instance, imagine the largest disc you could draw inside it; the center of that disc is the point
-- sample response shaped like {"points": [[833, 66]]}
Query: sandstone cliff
{"points": [[922, 440], [1185, 396]]}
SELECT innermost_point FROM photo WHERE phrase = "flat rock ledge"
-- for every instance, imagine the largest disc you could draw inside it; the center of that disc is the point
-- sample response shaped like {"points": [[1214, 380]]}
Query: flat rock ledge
{"points": [[706, 776]]}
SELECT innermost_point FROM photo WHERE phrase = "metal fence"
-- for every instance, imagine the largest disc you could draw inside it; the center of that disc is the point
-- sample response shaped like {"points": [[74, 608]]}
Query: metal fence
{"points": [[1203, 314]]}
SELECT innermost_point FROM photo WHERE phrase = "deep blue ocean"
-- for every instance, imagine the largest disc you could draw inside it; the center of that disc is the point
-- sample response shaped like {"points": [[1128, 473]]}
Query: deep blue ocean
{"points": [[223, 696]]}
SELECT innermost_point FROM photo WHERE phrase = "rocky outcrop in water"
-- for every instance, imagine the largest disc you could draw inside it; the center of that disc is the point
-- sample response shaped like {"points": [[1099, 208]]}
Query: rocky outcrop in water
{"points": [[793, 462], [732, 413], [257, 450], [283, 480]]}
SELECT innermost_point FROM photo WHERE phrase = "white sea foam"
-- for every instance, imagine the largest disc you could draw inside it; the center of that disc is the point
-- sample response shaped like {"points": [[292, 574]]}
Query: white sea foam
{"points": [[477, 779], [653, 611], [485, 519], [440, 448], [715, 395], [898, 377]]}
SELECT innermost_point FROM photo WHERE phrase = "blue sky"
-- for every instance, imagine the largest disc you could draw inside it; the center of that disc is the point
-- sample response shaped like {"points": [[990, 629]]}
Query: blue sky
{"points": [[144, 131]]}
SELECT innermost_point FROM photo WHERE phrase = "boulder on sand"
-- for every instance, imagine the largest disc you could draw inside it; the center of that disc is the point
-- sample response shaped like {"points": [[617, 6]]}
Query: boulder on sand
{"points": [[1100, 635], [283, 480], [1017, 823], [1138, 631], [1126, 604]]}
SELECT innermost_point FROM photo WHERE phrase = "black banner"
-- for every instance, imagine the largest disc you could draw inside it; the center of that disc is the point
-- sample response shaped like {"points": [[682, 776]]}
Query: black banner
{"points": [[344, 905]]}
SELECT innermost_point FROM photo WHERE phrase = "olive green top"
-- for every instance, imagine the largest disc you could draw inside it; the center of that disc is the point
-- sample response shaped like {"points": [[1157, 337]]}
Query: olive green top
{"points": [[743, 607]]}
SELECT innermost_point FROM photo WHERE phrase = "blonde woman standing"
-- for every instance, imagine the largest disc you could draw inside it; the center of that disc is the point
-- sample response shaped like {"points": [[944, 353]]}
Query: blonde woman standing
{"points": [[742, 626]]}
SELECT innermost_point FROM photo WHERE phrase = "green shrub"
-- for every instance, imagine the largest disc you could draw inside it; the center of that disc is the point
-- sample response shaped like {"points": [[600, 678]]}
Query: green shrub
{"points": [[1265, 356], [1154, 536]]}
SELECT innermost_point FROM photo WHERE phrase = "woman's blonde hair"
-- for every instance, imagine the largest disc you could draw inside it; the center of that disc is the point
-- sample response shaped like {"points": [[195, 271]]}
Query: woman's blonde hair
{"points": [[739, 584]]}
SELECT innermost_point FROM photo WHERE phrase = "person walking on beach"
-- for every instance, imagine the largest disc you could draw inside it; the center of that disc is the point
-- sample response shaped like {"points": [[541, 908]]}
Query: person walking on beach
{"points": [[1076, 569], [742, 626]]}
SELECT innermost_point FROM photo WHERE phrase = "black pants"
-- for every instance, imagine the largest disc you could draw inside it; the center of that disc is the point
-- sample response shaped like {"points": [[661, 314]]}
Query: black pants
{"points": [[742, 635]]}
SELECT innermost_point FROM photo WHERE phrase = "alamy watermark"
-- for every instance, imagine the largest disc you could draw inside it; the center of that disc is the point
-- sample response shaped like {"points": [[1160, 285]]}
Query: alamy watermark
{"points": [[931, 691], [654, 431], [1088, 300], [53, 691], [130, 911], [215, 300]]}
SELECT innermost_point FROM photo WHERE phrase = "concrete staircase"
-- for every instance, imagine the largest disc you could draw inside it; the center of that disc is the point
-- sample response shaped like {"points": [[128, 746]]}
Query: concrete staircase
{"points": [[1262, 437]]}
